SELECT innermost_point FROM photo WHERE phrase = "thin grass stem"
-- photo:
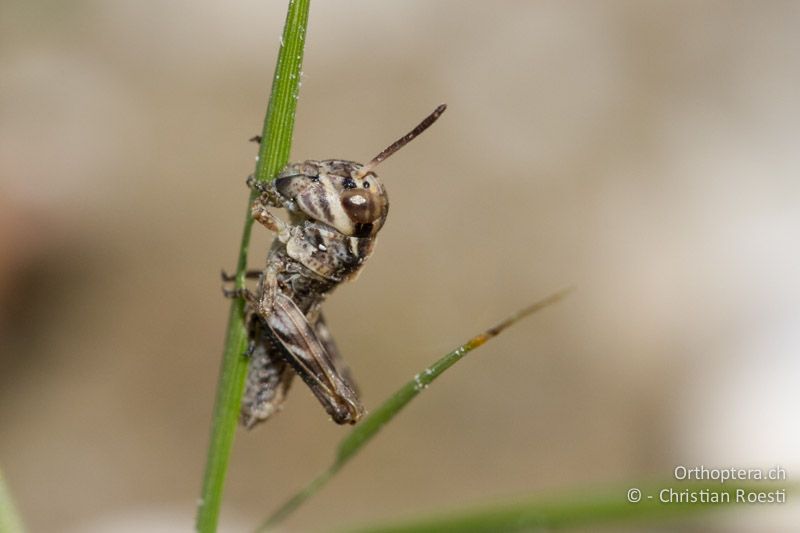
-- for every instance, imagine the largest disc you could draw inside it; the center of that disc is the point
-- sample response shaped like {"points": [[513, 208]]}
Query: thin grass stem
{"points": [[273, 154], [372, 424]]}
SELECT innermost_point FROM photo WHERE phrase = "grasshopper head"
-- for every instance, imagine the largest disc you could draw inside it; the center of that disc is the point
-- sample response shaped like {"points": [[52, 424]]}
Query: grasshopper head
{"points": [[345, 195], [336, 193]]}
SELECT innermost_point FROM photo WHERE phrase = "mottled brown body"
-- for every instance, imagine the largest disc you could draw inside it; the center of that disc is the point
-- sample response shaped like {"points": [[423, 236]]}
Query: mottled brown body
{"points": [[336, 208], [308, 260]]}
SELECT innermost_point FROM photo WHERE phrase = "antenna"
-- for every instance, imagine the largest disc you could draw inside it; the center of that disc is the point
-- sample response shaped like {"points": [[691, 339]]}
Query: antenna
{"points": [[402, 141]]}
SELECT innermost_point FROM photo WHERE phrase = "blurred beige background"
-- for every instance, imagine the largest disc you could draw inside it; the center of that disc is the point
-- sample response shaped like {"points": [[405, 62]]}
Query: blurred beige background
{"points": [[644, 152]]}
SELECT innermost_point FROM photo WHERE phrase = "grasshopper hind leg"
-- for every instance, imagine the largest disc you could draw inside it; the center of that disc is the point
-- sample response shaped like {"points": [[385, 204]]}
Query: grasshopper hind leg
{"points": [[309, 357], [326, 339]]}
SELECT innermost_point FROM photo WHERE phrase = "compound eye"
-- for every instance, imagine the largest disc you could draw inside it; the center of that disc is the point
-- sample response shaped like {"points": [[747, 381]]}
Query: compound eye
{"points": [[360, 206], [349, 183]]}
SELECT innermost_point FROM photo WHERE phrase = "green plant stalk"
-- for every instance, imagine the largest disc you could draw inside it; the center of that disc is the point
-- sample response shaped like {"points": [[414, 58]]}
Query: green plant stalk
{"points": [[273, 154], [369, 427], [10, 521], [576, 510]]}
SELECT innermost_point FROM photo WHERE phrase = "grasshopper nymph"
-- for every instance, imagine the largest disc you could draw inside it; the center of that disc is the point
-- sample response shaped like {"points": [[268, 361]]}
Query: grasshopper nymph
{"points": [[336, 209]]}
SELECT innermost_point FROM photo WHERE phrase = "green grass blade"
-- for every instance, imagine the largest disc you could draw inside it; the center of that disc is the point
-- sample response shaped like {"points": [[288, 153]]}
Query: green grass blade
{"points": [[370, 426], [273, 154], [578, 510], [10, 521]]}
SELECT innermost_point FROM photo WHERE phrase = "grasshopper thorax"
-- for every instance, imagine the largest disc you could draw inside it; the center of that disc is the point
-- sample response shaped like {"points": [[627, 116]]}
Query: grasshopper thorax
{"points": [[337, 193]]}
